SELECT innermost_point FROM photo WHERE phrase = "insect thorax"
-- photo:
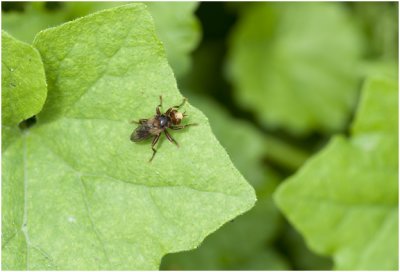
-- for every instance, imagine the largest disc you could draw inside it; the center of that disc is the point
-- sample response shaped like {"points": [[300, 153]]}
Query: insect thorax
{"points": [[163, 121]]}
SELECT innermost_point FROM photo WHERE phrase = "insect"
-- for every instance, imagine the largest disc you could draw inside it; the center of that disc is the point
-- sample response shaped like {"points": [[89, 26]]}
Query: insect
{"points": [[158, 124]]}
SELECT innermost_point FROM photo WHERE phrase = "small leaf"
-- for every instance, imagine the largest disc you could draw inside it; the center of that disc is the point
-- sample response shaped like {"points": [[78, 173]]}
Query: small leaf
{"points": [[294, 65], [23, 81], [345, 199], [87, 197]]}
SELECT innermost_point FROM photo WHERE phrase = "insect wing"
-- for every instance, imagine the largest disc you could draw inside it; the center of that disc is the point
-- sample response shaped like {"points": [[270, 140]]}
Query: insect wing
{"points": [[142, 132]]}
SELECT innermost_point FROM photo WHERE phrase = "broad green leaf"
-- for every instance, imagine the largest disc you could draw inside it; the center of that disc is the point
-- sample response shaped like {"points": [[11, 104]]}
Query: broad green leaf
{"points": [[88, 198], [295, 65], [221, 250], [344, 201], [178, 29], [23, 85]]}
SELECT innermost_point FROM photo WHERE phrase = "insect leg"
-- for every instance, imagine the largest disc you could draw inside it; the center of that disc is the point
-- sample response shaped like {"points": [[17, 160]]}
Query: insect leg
{"points": [[182, 126], [183, 103], [170, 138], [159, 106], [155, 140], [141, 121]]}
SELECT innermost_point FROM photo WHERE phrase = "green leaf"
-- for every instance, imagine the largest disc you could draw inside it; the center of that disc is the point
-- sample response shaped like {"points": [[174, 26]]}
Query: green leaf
{"points": [[221, 250], [379, 22], [87, 198], [23, 81], [23, 85], [178, 29], [80, 9], [344, 201], [295, 65]]}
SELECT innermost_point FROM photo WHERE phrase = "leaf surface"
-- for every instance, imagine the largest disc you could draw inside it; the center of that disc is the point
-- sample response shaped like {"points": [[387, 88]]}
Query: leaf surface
{"points": [[344, 200], [91, 200], [221, 250], [23, 83], [23, 95], [293, 64]]}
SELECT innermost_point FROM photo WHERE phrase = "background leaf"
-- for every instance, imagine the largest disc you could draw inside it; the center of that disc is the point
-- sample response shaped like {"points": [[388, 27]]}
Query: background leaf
{"points": [[178, 29], [378, 22], [300, 256], [176, 25], [345, 199], [34, 17], [284, 66], [106, 207]]}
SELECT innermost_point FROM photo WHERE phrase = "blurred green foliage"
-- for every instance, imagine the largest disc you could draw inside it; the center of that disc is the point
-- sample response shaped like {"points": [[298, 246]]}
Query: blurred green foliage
{"points": [[277, 81], [176, 25], [284, 65], [348, 208]]}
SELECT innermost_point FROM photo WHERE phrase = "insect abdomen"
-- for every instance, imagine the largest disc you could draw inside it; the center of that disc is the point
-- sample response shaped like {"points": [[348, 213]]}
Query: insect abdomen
{"points": [[140, 133]]}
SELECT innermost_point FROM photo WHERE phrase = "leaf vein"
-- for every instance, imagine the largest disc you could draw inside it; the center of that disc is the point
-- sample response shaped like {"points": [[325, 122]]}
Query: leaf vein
{"points": [[24, 227], [107, 176], [102, 73], [7, 240], [46, 255], [96, 232], [157, 207]]}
